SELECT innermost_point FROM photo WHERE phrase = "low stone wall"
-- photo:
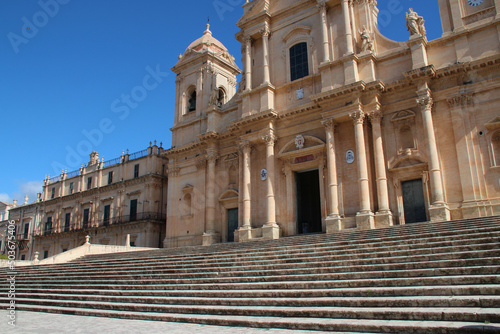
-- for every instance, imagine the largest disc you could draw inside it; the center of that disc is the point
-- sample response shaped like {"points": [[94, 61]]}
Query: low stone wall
{"points": [[75, 253]]}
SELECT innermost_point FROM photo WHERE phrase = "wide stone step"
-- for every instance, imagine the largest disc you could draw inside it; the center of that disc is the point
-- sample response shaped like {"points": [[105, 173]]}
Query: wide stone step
{"points": [[411, 301], [320, 324], [366, 245], [469, 314], [288, 257], [224, 277]]}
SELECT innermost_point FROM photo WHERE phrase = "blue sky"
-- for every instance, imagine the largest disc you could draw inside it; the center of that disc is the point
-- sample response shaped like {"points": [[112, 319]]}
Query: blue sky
{"points": [[67, 67]]}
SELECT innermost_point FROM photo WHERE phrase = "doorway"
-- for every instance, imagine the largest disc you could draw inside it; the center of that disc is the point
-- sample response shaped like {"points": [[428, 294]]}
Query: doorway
{"points": [[308, 202], [232, 223], [414, 201]]}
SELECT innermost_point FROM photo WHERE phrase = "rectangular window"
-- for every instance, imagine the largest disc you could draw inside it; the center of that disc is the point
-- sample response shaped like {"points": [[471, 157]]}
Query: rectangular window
{"points": [[110, 177], [107, 210], [53, 193], [67, 222], [136, 171], [89, 183], [23, 257], [86, 216], [70, 188], [48, 225], [133, 210], [26, 230], [45, 254], [299, 63]]}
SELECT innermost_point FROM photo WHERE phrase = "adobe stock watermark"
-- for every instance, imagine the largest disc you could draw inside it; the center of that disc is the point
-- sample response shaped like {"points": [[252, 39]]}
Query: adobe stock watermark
{"points": [[122, 107], [224, 6], [31, 26], [391, 8], [11, 274]]}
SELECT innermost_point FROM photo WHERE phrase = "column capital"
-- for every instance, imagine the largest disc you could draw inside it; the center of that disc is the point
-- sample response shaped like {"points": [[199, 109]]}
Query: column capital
{"points": [[248, 40], [245, 145], [322, 6], [212, 157], [358, 117], [265, 32], [270, 139], [425, 102], [376, 116], [329, 124], [460, 101]]}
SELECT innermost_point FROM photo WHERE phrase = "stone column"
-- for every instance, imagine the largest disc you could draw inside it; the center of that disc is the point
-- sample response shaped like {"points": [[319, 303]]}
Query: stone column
{"points": [[384, 215], [333, 221], [324, 30], [347, 25], [210, 236], [438, 210], [270, 229], [248, 63], [364, 218], [245, 230], [265, 45]]}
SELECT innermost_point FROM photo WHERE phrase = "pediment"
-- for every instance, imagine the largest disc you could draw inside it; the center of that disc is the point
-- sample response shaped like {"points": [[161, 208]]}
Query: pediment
{"points": [[403, 115], [406, 161], [187, 189], [299, 30], [229, 195], [310, 145]]}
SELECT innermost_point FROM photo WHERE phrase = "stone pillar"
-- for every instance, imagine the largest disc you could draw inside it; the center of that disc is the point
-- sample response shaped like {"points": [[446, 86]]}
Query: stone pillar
{"points": [[265, 45], [333, 221], [364, 218], [245, 230], [438, 209], [347, 26], [324, 30], [210, 236], [248, 63], [383, 217], [270, 230]]}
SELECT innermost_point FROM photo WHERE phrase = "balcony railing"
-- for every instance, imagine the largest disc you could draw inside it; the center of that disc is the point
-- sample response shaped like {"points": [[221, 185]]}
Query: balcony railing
{"points": [[21, 237], [138, 155], [81, 226]]}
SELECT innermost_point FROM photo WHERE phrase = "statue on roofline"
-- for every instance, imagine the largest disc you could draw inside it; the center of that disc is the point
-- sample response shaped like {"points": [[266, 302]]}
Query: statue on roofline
{"points": [[415, 23]]}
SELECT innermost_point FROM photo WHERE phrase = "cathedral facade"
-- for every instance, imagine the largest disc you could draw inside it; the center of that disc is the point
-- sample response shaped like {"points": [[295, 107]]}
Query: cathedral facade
{"points": [[333, 126]]}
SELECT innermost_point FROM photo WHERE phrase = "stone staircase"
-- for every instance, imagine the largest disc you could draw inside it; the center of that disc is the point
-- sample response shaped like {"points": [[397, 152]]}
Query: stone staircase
{"points": [[422, 278]]}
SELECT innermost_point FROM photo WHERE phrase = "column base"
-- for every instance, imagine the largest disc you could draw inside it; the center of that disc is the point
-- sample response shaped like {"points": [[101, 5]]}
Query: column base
{"points": [[244, 234], [439, 213], [210, 238], [365, 221], [270, 232], [334, 224], [475, 210], [383, 220]]}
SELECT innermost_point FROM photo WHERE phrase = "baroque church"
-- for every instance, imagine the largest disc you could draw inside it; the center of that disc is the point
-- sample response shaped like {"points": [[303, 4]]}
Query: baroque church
{"points": [[334, 126]]}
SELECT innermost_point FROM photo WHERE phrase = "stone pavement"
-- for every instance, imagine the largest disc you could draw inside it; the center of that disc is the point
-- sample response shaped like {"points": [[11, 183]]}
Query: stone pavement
{"points": [[47, 323]]}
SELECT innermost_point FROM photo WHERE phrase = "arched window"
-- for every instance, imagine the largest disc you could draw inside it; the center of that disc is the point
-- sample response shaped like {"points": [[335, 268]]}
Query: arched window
{"points": [[495, 144], [222, 97], [191, 100], [299, 61]]}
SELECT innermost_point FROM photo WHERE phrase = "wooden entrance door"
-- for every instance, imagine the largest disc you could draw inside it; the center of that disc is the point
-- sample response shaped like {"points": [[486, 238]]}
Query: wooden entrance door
{"points": [[232, 223], [414, 201]]}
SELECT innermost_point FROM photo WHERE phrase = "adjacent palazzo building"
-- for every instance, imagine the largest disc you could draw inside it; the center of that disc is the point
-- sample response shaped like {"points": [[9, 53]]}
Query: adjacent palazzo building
{"points": [[106, 200], [334, 126]]}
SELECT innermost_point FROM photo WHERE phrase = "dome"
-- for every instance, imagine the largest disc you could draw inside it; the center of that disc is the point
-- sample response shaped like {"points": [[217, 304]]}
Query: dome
{"points": [[207, 42]]}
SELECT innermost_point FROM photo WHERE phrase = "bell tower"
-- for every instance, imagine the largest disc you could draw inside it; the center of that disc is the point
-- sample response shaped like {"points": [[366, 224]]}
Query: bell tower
{"points": [[206, 79], [458, 15]]}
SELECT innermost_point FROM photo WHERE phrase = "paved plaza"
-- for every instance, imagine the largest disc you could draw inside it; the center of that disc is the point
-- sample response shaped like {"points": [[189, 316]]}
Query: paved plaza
{"points": [[47, 323]]}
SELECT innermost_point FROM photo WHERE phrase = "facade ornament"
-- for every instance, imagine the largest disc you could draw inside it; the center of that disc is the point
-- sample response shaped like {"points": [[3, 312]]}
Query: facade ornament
{"points": [[460, 101], [376, 116], [265, 32], [270, 139], [214, 97], [415, 23], [425, 102], [300, 141], [329, 124], [366, 40]]}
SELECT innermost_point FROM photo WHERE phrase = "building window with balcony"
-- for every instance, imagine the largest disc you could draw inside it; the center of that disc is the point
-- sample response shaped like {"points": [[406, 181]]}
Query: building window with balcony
{"points": [[52, 192], [110, 177], [136, 171], [71, 188], [89, 182], [67, 222], [48, 225], [299, 61], [105, 219], [133, 210], [86, 216], [26, 230]]}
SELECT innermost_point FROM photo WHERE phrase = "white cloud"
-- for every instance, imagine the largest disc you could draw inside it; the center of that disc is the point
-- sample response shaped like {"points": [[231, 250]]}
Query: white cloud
{"points": [[30, 189], [5, 198]]}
